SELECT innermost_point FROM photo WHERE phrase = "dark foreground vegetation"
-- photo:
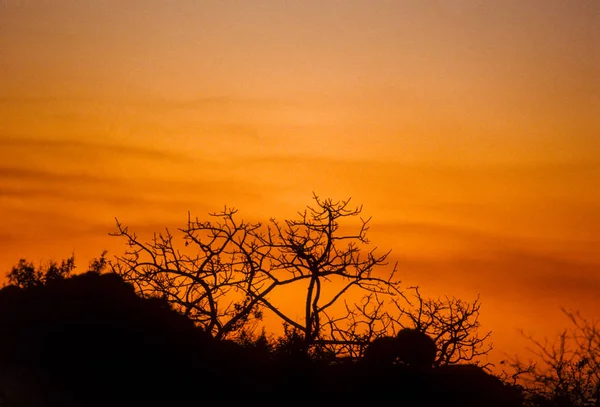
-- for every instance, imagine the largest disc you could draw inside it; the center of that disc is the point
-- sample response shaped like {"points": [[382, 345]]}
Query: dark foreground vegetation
{"points": [[164, 326], [90, 340]]}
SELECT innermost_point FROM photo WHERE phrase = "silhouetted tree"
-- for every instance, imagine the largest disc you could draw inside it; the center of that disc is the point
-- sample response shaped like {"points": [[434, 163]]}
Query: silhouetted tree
{"points": [[228, 270], [26, 275], [206, 282], [565, 371], [453, 324]]}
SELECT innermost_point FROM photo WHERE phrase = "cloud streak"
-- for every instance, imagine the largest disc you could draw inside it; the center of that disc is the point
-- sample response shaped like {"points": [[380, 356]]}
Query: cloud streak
{"points": [[25, 174], [98, 148]]}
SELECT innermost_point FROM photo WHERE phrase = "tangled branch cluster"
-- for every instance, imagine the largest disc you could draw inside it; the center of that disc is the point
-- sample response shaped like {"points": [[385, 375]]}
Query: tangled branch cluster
{"points": [[226, 274]]}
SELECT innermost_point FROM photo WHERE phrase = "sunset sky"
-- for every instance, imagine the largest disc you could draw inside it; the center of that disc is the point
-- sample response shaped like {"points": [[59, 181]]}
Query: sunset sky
{"points": [[469, 130]]}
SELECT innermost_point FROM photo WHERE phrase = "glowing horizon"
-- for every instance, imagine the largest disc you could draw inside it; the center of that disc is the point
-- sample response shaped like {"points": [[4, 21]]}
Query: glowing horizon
{"points": [[468, 130]]}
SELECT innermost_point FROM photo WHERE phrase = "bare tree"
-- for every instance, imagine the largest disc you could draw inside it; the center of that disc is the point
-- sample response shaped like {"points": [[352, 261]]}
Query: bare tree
{"points": [[309, 249], [564, 371], [228, 271], [225, 276], [209, 279]]}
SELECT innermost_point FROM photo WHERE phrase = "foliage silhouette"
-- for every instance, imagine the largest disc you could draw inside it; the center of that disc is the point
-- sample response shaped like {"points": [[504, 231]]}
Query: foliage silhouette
{"points": [[26, 275]]}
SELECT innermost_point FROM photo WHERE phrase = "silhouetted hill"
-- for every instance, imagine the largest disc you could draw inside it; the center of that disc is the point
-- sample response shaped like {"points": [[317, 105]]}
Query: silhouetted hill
{"points": [[93, 338], [89, 340]]}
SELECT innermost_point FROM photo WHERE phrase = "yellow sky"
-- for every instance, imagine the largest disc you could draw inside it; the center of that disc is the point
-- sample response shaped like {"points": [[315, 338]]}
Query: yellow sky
{"points": [[469, 130]]}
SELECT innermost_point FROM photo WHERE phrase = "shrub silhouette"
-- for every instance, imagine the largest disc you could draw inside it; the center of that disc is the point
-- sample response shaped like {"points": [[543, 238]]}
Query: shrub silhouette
{"points": [[415, 348], [382, 351], [410, 347]]}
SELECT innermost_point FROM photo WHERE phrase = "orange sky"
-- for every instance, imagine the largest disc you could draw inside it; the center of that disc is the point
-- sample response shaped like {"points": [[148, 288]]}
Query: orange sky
{"points": [[469, 130]]}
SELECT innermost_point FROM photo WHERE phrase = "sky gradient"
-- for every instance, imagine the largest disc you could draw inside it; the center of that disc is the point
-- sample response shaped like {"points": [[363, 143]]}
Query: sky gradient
{"points": [[469, 130]]}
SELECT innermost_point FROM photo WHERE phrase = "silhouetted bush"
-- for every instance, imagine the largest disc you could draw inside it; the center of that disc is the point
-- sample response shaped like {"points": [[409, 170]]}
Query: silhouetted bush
{"points": [[409, 347], [415, 349], [26, 275], [382, 351]]}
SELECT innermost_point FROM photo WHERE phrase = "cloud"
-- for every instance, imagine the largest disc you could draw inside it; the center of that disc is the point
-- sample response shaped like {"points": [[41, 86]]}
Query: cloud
{"points": [[26, 174], [109, 149], [436, 229], [33, 185], [79, 195], [498, 265]]}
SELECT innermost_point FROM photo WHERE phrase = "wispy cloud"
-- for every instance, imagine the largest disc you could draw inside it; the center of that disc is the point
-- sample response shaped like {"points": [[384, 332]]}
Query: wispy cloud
{"points": [[26, 174], [101, 148], [492, 263]]}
